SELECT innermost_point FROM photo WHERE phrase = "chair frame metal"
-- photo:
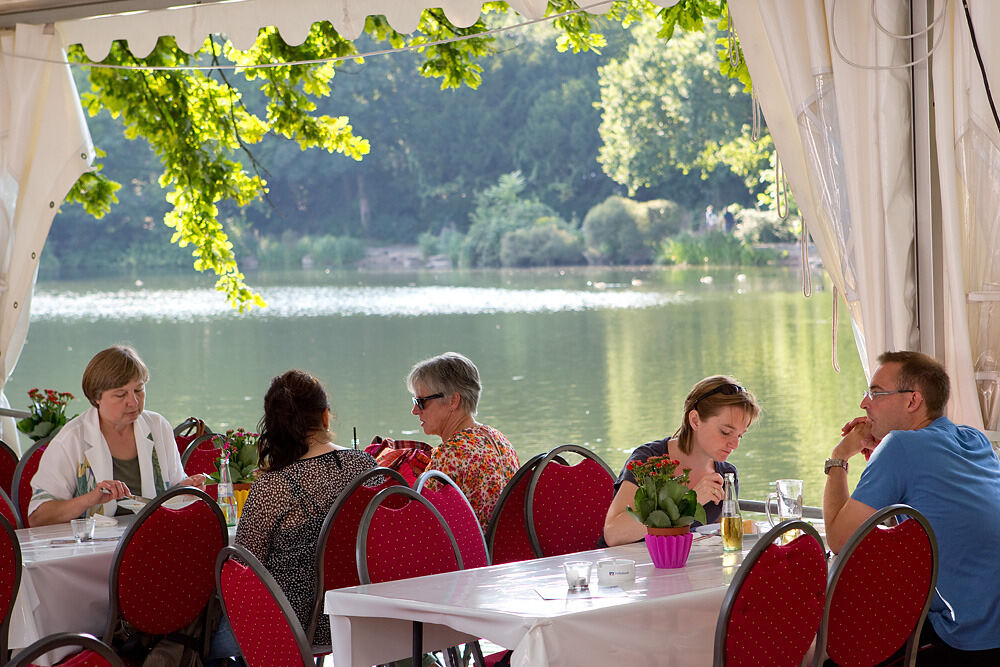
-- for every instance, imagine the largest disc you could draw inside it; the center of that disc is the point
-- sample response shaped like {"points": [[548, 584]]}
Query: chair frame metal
{"points": [[441, 477], [883, 515], [8, 608], [4, 498], [19, 473], [501, 505], [324, 537], [529, 500], [88, 642], [362, 555], [126, 540], [241, 553], [763, 542]]}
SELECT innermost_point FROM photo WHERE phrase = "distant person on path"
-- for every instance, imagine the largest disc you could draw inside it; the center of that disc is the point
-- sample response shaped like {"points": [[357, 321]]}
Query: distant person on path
{"points": [[717, 412], [114, 449], [730, 221], [711, 219], [950, 474], [479, 458]]}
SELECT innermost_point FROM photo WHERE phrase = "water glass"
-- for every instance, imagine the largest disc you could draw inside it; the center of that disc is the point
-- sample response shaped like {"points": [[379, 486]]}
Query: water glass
{"points": [[83, 529], [788, 493], [578, 574]]}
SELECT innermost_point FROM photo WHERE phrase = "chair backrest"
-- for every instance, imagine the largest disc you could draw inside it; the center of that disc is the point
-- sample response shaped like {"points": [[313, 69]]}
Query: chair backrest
{"points": [[401, 542], [891, 574], [775, 602], [566, 505], [264, 623], [163, 570], [188, 431], [507, 537], [201, 455], [336, 566], [458, 513], [8, 464], [25, 470], [10, 578], [95, 653], [9, 511]]}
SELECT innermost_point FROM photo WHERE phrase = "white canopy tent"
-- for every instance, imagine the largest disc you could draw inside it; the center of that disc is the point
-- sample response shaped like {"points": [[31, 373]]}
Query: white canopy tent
{"points": [[903, 203]]}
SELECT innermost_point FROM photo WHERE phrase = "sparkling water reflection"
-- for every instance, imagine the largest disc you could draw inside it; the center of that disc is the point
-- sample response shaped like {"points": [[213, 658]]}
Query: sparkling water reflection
{"points": [[594, 356]]}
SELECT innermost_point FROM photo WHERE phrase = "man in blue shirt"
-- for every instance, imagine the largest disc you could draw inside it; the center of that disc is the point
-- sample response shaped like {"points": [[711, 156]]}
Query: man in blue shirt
{"points": [[950, 474]]}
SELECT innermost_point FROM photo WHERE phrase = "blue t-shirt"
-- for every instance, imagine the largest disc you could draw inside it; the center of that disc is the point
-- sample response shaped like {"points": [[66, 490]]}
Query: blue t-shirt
{"points": [[951, 475]]}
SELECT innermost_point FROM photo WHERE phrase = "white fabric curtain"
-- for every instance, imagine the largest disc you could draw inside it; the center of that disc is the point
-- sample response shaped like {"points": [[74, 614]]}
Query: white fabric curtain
{"points": [[44, 147], [843, 133]]}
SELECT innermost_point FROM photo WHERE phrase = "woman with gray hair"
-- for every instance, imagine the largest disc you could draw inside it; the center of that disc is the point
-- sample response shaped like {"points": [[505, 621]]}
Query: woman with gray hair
{"points": [[477, 457]]}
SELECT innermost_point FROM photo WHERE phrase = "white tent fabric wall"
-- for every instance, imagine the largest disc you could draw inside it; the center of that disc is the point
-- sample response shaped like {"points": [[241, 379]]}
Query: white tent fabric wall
{"points": [[844, 137], [44, 147]]}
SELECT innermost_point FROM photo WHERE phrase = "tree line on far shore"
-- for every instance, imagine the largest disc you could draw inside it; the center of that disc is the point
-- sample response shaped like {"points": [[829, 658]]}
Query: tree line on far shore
{"points": [[606, 157]]}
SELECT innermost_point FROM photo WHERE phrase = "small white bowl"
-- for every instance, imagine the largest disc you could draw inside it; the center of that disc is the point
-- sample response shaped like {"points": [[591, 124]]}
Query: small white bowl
{"points": [[615, 571]]}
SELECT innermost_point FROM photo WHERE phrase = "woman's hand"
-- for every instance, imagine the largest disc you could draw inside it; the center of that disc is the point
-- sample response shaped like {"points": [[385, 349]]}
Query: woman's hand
{"points": [[197, 480], [709, 489], [109, 489]]}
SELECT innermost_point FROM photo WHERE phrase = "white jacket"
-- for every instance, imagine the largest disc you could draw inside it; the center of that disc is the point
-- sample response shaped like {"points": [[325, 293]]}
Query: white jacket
{"points": [[78, 457]]}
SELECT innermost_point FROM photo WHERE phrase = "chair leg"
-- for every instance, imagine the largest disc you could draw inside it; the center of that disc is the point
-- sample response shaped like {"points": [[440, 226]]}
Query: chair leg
{"points": [[418, 644], [477, 654]]}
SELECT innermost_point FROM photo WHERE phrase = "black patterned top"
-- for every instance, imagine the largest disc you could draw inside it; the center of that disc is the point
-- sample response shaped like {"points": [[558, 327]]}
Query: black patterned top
{"points": [[282, 518]]}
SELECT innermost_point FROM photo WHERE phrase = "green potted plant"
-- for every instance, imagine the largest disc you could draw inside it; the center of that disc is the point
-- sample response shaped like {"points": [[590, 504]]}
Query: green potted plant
{"points": [[238, 447], [48, 413], [667, 507]]}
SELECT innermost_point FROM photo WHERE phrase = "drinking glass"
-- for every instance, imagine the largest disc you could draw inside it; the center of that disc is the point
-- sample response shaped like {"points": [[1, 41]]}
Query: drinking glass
{"points": [[83, 529], [578, 574], [788, 493]]}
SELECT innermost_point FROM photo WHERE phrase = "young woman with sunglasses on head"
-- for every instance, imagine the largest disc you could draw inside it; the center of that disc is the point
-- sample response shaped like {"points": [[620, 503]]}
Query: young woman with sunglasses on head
{"points": [[477, 457], [717, 412]]}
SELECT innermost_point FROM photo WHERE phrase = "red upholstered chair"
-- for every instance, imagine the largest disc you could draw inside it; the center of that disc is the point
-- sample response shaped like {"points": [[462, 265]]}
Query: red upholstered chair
{"points": [[336, 546], [93, 653], [188, 431], [507, 537], [566, 505], [8, 463], [26, 469], [777, 586], [163, 570], [10, 578], [398, 542], [9, 511], [458, 513], [200, 457], [891, 574], [264, 623]]}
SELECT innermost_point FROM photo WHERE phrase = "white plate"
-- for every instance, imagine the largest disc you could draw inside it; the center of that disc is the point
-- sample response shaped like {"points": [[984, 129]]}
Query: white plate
{"points": [[710, 529]]}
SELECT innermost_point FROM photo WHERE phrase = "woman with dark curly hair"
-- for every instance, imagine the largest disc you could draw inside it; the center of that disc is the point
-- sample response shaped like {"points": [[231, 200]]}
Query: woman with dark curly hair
{"points": [[301, 474]]}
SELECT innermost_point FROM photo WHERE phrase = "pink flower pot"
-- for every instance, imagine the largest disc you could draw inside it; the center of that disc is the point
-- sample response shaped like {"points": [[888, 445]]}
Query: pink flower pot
{"points": [[668, 551]]}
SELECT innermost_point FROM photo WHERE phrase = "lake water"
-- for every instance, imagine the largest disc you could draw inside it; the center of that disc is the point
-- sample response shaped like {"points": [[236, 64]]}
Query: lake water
{"points": [[600, 357]]}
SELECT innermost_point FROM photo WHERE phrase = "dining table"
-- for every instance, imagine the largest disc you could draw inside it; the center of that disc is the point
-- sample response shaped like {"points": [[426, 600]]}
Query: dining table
{"points": [[64, 583], [664, 617]]}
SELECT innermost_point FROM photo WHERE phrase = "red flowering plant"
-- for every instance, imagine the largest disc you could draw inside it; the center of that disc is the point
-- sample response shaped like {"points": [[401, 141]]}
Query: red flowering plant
{"points": [[48, 413], [240, 446], [663, 499]]}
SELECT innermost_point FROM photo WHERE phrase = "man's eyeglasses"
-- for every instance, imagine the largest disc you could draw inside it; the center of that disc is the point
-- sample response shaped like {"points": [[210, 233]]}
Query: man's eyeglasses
{"points": [[421, 401], [872, 395], [729, 389]]}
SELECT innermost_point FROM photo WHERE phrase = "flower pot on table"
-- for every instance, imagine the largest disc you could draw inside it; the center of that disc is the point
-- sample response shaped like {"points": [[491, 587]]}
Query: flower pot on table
{"points": [[240, 491], [669, 547]]}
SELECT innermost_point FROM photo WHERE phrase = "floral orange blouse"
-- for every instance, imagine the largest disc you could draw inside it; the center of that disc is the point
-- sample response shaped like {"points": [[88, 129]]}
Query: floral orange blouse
{"points": [[481, 461]]}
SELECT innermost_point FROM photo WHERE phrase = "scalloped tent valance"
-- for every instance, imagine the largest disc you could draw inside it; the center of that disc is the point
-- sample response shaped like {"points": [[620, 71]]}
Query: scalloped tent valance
{"points": [[95, 24]]}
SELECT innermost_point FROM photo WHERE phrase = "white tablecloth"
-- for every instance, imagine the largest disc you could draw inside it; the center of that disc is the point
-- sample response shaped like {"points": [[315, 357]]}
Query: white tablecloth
{"points": [[667, 617], [64, 587]]}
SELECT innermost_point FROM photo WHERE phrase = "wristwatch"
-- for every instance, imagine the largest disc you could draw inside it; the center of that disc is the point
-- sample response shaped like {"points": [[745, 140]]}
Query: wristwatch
{"points": [[834, 463]]}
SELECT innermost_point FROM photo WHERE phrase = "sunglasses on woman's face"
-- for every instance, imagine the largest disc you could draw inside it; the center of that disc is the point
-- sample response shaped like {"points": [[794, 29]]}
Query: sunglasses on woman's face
{"points": [[729, 389], [420, 401]]}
